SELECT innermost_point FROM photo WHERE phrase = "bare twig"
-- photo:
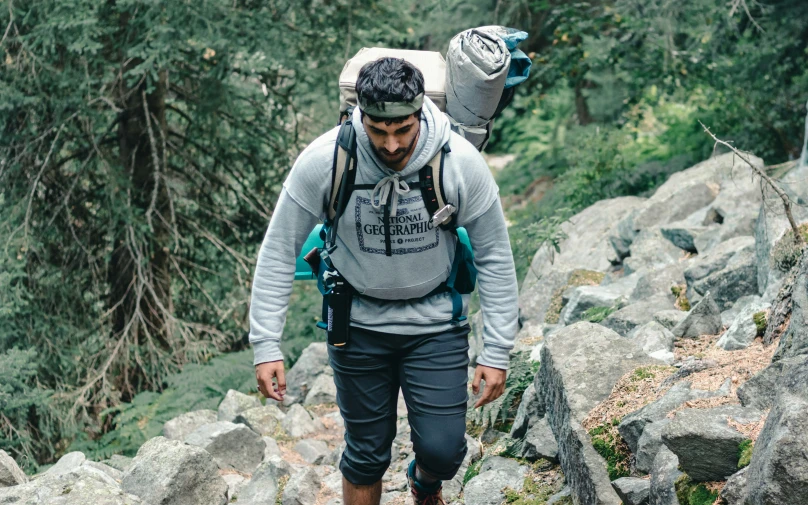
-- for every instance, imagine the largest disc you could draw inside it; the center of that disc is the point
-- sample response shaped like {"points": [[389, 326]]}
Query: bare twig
{"points": [[735, 4], [155, 160], [775, 187]]}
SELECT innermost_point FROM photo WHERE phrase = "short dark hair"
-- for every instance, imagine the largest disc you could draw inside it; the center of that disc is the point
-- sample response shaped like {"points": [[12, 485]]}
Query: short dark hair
{"points": [[389, 80]]}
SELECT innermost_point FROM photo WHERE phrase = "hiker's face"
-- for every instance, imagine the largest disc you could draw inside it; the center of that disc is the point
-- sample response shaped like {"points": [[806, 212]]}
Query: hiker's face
{"points": [[393, 142]]}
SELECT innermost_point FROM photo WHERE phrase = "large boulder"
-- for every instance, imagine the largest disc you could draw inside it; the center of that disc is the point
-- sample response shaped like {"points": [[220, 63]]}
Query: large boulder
{"points": [[655, 340], [235, 403], [302, 488], [649, 444], [11, 474], [658, 283], [67, 463], [584, 298], [496, 473], [170, 472], [778, 472], [299, 422], [587, 247], [580, 365], [795, 340], [728, 271], [539, 442], [80, 486], [232, 445], [760, 391], [323, 391], [734, 491], [703, 319], [265, 420], [313, 361], [182, 425], [632, 490], [706, 445], [529, 409]]}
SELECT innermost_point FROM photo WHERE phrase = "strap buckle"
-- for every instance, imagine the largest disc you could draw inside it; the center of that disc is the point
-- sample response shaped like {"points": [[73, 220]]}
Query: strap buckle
{"points": [[443, 214]]}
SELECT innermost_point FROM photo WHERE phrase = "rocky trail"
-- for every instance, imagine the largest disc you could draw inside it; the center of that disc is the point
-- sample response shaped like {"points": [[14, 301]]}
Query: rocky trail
{"points": [[654, 386]]}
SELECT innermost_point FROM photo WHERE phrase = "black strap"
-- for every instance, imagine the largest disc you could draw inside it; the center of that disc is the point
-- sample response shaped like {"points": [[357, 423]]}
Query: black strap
{"points": [[346, 139], [427, 186]]}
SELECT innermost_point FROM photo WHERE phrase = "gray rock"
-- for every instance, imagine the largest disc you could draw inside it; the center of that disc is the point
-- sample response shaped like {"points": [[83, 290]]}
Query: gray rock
{"points": [[652, 337], [690, 366], [313, 361], [265, 420], [170, 472], [182, 425], [734, 491], [299, 422], [632, 491], [742, 303], [658, 282], [670, 318], [707, 447], [632, 316], [703, 319], [333, 482], [322, 391], [633, 424], [795, 340], [580, 365], [683, 235], [528, 409], [312, 451], [263, 486], [729, 271], [10, 473], [649, 444], [78, 487], [235, 403], [114, 473], [761, 390], [587, 246], [742, 331], [668, 208], [452, 488], [651, 251], [486, 487], [231, 445], [498, 463], [67, 463], [622, 236], [271, 448], [235, 482], [118, 462], [778, 472], [664, 473], [539, 442], [563, 497], [302, 488], [584, 298]]}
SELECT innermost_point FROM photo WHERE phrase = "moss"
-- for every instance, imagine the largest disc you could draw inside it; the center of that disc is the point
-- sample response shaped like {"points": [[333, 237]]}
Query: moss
{"points": [[760, 322], [577, 278], [610, 445], [597, 314], [692, 493], [472, 471], [534, 492], [745, 453], [642, 374], [786, 252], [680, 292]]}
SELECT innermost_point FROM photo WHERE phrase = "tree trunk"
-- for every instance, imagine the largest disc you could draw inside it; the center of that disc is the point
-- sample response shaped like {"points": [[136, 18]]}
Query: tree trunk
{"points": [[581, 108]]}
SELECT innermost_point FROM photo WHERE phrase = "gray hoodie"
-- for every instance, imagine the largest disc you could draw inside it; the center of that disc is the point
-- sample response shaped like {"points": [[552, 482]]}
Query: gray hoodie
{"points": [[392, 288]]}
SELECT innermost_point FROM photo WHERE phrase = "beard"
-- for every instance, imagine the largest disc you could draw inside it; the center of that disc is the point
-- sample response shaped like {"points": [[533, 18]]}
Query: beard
{"points": [[398, 155]]}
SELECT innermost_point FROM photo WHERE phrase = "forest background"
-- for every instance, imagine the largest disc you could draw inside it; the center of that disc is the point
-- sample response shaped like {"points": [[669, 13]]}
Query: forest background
{"points": [[143, 145]]}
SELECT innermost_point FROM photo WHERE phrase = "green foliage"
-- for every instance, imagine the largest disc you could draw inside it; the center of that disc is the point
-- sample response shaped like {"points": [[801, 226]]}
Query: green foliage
{"points": [[597, 314], [761, 320], [745, 453], [472, 471], [642, 373], [610, 445], [691, 493], [196, 387]]}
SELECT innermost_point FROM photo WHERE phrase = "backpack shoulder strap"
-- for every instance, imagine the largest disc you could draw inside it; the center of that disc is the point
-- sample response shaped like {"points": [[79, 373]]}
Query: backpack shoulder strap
{"points": [[344, 160], [431, 183]]}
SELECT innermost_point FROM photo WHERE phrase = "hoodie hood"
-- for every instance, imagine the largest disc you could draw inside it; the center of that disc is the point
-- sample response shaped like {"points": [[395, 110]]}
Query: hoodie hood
{"points": [[435, 131]]}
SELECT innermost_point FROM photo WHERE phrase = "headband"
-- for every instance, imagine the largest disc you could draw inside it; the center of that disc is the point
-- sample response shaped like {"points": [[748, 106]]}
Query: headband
{"points": [[392, 109]]}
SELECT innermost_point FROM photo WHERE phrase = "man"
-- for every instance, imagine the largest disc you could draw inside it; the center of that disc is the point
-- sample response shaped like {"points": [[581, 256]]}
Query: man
{"points": [[401, 333]]}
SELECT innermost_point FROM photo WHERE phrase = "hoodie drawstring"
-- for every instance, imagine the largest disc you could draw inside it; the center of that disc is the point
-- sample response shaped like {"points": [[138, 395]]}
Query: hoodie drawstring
{"points": [[388, 189]]}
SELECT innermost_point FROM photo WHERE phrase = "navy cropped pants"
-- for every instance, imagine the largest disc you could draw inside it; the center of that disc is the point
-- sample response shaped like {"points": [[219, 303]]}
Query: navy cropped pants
{"points": [[431, 370]]}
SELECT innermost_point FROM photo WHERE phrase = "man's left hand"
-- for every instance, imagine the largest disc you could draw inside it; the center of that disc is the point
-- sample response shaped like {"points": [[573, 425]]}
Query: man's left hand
{"points": [[494, 384]]}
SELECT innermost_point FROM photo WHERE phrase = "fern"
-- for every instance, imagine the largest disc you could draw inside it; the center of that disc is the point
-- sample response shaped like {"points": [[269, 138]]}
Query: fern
{"points": [[497, 413]]}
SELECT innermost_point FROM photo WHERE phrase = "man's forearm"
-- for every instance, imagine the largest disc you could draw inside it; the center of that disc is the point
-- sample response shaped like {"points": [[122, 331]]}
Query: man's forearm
{"points": [[274, 273], [496, 283]]}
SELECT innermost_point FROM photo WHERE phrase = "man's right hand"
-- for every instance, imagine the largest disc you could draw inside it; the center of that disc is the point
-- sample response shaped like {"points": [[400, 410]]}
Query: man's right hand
{"points": [[264, 373]]}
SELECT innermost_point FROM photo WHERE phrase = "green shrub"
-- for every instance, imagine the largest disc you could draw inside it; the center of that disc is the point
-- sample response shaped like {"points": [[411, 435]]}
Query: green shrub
{"points": [[499, 412], [786, 252], [761, 321], [610, 445], [691, 493]]}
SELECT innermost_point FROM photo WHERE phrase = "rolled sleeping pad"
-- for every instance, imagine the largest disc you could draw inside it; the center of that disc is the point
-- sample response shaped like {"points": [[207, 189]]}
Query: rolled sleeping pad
{"points": [[303, 270]]}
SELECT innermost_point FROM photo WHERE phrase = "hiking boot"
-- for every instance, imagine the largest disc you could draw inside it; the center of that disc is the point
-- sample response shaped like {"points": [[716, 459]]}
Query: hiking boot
{"points": [[421, 496]]}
